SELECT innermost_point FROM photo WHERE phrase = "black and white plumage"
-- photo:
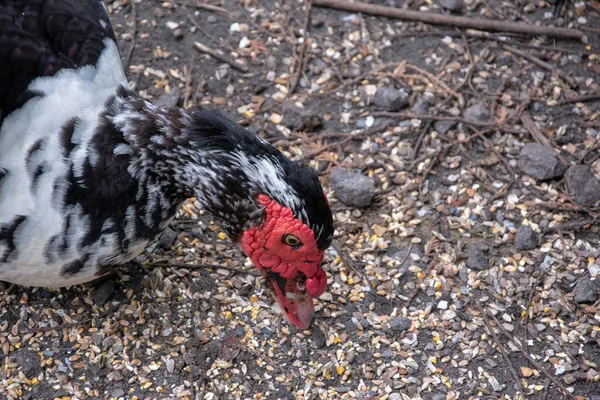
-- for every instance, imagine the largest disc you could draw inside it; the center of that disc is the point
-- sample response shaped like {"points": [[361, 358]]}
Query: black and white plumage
{"points": [[90, 173]]}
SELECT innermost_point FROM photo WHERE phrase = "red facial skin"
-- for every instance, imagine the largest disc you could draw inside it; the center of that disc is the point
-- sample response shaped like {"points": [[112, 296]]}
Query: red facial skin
{"points": [[266, 248]]}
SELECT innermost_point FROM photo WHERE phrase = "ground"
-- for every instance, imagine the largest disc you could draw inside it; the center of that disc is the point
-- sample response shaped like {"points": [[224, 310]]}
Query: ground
{"points": [[469, 275]]}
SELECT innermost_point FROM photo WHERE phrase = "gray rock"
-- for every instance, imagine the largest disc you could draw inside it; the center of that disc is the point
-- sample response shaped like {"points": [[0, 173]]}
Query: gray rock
{"points": [[211, 19], [317, 338], [526, 238], [540, 162], [391, 99], [178, 33], [29, 361], [300, 119], [169, 100], [451, 5], [477, 113], [351, 188], [443, 126], [420, 106], [167, 238], [399, 324], [586, 290], [477, 258], [118, 393], [583, 185], [102, 293]]}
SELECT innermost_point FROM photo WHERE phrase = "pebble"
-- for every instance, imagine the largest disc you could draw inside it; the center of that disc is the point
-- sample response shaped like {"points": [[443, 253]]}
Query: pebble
{"points": [[167, 238], [29, 361], [351, 188], [582, 185], [540, 162], [476, 257], [399, 324], [477, 113], [317, 338], [451, 5], [391, 99], [172, 25], [169, 100], [102, 293], [526, 238], [443, 126], [211, 19], [420, 106], [586, 290], [300, 119]]}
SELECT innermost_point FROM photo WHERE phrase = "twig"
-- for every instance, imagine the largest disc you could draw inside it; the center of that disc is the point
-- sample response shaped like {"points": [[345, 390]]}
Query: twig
{"points": [[398, 115], [542, 139], [203, 266], [461, 22], [542, 64], [501, 348], [221, 57], [572, 225], [579, 99], [537, 365], [348, 262], [433, 78], [367, 132], [202, 6], [300, 66], [407, 254], [188, 83], [133, 34]]}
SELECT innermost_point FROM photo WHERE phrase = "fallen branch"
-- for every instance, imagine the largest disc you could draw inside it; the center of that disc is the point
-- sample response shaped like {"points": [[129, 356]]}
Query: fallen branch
{"points": [[542, 64], [203, 266], [537, 365], [397, 115], [457, 21], [579, 99], [133, 34], [501, 348], [201, 6], [221, 57], [300, 65], [572, 225]]}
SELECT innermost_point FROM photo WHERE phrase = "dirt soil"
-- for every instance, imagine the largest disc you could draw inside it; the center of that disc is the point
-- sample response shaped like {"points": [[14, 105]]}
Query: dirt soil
{"points": [[471, 274]]}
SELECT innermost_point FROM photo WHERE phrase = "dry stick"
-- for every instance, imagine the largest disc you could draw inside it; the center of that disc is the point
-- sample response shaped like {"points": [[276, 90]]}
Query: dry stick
{"points": [[203, 266], [501, 348], [221, 57], [133, 34], [300, 66], [572, 225], [537, 365], [542, 64], [530, 125], [348, 262], [579, 99], [461, 22], [203, 6], [395, 115]]}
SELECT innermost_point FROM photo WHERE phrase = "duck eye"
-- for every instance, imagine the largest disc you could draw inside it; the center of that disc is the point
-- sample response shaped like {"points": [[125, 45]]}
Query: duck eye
{"points": [[291, 240]]}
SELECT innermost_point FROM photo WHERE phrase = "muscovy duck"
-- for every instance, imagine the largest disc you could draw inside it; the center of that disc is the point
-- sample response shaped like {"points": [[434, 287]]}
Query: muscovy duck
{"points": [[90, 173]]}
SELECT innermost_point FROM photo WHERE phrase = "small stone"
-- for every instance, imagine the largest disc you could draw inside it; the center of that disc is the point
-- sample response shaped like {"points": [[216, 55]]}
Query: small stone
{"points": [[300, 119], [420, 106], [178, 33], [443, 305], [167, 238], [169, 100], [526, 238], [477, 258], [351, 188], [451, 5], [399, 324], [526, 372], [583, 185], [569, 379], [102, 293], [211, 19], [586, 290], [29, 361], [172, 25], [477, 113], [317, 338], [391, 99], [443, 126], [540, 162], [118, 393], [158, 13]]}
